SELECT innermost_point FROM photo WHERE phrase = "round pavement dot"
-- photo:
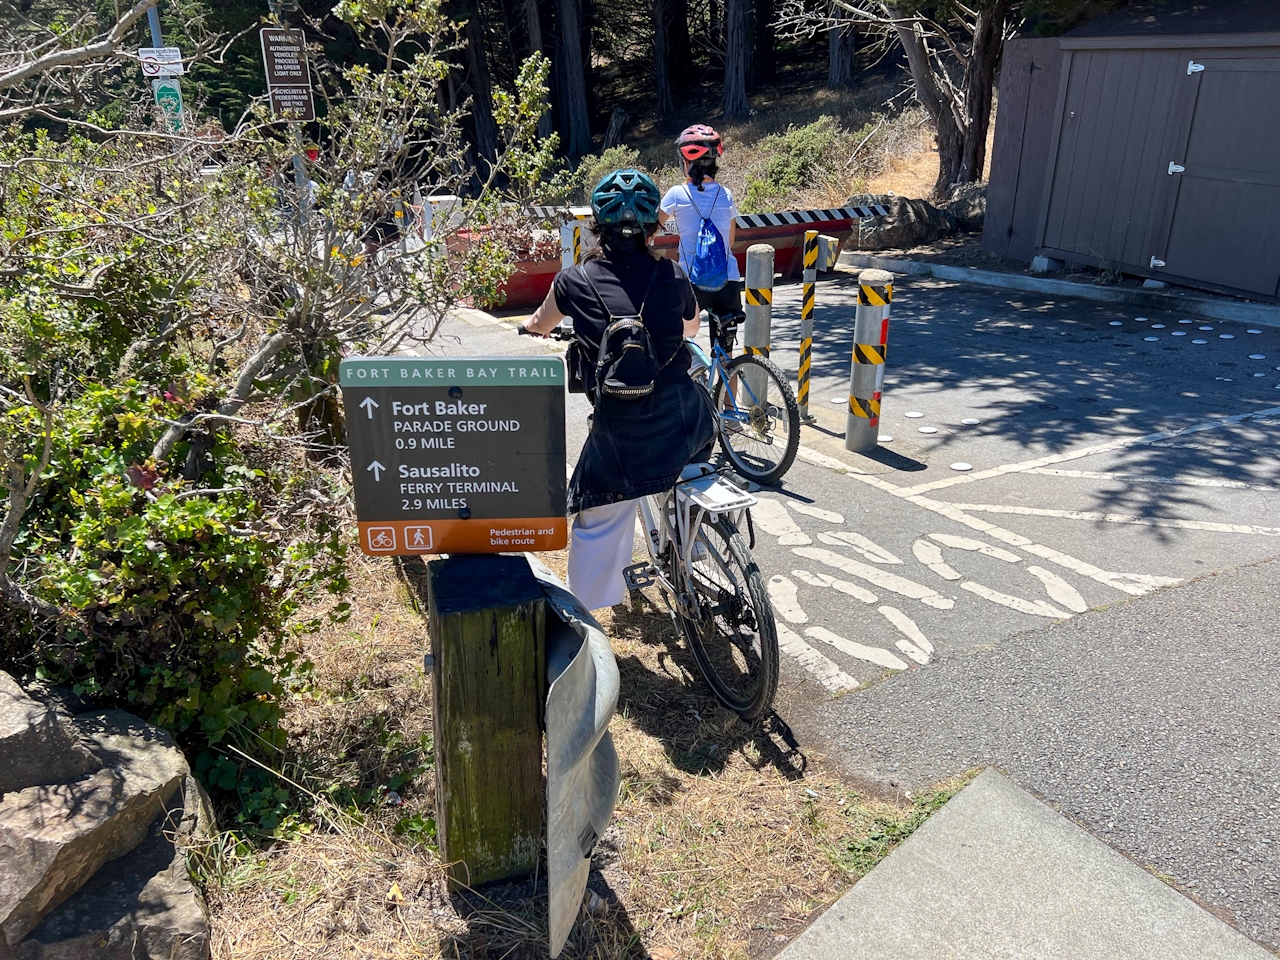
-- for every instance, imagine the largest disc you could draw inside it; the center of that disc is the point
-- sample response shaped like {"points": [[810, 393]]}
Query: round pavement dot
{"points": [[1253, 330], [1141, 319], [1179, 333], [928, 430], [971, 421], [914, 414], [885, 438], [837, 400], [1149, 339], [1157, 326], [1259, 374], [1257, 356], [1199, 341], [1204, 328], [1117, 323], [1226, 336], [961, 466], [1186, 321]]}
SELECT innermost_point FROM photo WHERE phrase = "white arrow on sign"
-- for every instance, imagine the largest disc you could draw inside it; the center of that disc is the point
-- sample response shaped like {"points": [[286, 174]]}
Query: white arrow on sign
{"points": [[377, 469], [369, 405]]}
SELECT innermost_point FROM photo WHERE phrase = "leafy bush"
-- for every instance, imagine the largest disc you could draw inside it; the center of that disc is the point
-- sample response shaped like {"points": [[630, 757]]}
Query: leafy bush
{"points": [[792, 161], [574, 186]]}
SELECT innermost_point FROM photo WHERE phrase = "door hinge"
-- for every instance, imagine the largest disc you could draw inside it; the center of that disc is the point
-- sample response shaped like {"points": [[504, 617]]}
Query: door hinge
{"points": [[1193, 67], [1155, 262], [1175, 168]]}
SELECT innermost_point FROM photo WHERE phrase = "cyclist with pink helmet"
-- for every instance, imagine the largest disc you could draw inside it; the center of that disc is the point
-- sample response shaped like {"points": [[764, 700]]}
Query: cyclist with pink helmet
{"points": [[699, 197]]}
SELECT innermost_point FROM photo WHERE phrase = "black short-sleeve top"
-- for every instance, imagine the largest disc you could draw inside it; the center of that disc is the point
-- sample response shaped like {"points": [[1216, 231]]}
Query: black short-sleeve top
{"points": [[622, 278]]}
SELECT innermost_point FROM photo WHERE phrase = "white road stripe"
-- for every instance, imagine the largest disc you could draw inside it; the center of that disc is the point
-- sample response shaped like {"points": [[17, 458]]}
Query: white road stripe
{"points": [[844, 586], [869, 549], [773, 519], [908, 627], [1094, 516], [876, 655], [965, 543], [1135, 478], [930, 554], [782, 594], [809, 455], [1118, 444], [1059, 590], [823, 668], [809, 510], [1037, 608], [881, 578]]}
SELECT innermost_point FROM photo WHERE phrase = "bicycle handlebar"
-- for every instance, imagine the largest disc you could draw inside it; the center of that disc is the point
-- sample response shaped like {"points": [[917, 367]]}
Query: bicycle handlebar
{"points": [[561, 332]]}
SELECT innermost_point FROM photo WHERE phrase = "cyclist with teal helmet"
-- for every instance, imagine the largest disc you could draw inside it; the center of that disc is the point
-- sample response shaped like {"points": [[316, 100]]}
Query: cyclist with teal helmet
{"points": [[637, 446]]}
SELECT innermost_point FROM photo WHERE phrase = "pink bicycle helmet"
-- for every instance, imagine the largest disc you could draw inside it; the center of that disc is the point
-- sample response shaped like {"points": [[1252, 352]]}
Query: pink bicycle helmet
{"points": [[697, 141]]}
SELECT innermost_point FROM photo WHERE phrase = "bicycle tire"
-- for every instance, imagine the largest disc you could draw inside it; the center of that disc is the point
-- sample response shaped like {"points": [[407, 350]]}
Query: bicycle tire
{"points": [[740, 667], [758, 436]]}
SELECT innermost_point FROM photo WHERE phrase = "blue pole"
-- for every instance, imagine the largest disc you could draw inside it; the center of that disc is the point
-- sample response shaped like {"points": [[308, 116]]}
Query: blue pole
{"points": [[153, 18]]}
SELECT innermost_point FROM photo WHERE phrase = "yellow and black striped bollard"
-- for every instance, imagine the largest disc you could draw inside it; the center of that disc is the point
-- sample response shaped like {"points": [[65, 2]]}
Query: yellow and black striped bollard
{"points": [[756, 331], [570, 244], [806, 322], [866, 375]]}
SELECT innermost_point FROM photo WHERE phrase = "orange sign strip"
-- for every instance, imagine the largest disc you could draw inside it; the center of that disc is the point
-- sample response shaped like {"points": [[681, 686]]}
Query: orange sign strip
{"points": [[390, 538]]}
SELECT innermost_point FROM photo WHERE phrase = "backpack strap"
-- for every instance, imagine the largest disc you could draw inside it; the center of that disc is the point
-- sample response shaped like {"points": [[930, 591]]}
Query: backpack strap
{"points": [[582, 268], [714, 201]]}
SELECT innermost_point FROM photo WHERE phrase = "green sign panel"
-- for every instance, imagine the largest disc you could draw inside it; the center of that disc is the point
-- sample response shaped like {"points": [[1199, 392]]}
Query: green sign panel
{"points": [[168, 94]]}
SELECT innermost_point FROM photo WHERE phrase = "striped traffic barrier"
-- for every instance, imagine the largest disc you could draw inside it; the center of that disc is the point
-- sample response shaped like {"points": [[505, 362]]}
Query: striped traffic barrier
{"points": [[759, 299], [866, 373], [806, 321]]}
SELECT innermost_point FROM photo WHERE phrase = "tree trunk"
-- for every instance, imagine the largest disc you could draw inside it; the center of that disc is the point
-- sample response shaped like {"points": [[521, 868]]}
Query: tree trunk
{"points": [[988, 44], [930, 96], [484, 130], [571, 83], [763, 64], [661, 73], [679, 43], [533, 22], [715, 22], [736, 106], [842, 43]]}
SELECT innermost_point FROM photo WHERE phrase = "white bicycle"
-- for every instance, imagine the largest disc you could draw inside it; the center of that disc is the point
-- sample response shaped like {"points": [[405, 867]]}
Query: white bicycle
{"points": [[712, 585]]}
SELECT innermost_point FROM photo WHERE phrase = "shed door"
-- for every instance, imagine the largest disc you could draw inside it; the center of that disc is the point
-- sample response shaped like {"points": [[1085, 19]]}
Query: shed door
{"points": [[1225, 227]]}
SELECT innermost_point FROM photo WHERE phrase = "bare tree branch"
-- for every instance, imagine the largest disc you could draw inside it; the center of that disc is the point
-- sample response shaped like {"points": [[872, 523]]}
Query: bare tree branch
{"points": [[101, 46]]}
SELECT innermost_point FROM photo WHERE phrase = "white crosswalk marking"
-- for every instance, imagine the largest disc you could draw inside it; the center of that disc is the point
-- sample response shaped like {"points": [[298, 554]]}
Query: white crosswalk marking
{"points": [[908, 627], [880, 657], [869, 549], [823, 668], [773, 519], [967, 543], [1037, 608], [809, 510], [783, 596], [930, 554], [1059, 590], [881, 578], [844, 586]]}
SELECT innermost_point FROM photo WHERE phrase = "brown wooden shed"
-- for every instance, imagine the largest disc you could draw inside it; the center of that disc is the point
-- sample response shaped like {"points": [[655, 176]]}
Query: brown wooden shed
{"points": [[1146, 142]]}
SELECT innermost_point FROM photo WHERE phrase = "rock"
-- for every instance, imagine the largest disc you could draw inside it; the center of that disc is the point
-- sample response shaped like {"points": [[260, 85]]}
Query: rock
{"points": [[56, 836], [910, 223], [967, 202], [37, 745], [141, 906]]}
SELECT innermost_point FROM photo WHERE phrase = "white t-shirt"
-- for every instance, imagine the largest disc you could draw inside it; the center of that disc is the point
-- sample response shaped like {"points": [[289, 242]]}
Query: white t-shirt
{"points": [[688, 206]]}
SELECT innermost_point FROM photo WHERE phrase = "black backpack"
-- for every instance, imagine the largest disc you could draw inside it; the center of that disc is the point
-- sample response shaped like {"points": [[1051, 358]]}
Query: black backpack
{"points": [[627, 364]]}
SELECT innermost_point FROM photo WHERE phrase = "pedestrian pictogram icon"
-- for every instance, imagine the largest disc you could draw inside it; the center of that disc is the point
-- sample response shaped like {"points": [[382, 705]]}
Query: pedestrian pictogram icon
{"points": [[417, 538], [381, 539]]}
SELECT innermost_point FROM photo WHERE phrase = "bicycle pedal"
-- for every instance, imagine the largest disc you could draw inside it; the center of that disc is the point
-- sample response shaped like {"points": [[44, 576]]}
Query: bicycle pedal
{"points": [[640, 575]]}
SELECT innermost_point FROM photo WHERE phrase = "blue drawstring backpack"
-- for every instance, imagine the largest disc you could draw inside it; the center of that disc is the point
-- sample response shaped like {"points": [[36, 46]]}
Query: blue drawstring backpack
{"points": [[709, 265]]}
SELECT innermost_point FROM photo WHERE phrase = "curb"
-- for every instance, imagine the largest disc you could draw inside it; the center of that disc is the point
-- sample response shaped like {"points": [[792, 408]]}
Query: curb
{"points": [[1260, 313]]}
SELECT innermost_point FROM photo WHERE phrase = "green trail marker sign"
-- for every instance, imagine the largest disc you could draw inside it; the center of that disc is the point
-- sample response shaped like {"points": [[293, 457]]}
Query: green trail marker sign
{"points": [[465, 455], [168, 94]]}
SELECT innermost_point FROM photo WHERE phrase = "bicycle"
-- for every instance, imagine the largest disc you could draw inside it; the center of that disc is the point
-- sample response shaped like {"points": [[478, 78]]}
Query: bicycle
{"points": [[758, 417], [710, 582]]}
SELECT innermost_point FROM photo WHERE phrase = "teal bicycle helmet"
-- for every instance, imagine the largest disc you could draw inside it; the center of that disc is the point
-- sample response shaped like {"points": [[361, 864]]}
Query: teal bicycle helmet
{"points": [[625, 198]]}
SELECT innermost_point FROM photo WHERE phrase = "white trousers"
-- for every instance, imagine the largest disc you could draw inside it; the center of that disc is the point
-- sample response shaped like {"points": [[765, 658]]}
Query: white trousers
{"points": [[599, 550]]}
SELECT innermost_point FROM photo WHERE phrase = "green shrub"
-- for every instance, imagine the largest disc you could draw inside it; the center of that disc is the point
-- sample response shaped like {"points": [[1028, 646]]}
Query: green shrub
{"points": [[574, 186], [789, 162]]}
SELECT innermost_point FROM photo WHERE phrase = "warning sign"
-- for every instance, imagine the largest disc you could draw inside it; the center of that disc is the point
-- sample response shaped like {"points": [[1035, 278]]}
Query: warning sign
{"points": [[457, 456], [284, 53]]}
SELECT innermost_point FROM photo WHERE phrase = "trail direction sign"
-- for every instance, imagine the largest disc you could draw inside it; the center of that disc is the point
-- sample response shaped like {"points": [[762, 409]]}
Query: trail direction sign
{"points": [[161, 62], [168, 94], [284, 54], [464, 455]]}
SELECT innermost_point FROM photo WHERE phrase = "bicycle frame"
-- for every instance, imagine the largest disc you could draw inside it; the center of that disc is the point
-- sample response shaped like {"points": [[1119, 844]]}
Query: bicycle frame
{"points": [[714, 367]]}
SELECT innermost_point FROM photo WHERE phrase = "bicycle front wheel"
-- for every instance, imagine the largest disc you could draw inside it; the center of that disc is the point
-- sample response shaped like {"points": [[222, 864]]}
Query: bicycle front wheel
{"points": [[759, 418], [732, 633]]}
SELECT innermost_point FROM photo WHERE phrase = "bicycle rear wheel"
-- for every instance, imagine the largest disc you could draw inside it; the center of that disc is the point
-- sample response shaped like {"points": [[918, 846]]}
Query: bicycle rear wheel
{"points": [[733, 636], [760, 420]]}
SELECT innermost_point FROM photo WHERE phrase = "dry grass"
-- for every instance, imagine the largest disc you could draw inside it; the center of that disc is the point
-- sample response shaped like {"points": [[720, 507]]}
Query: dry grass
{"points": [[726, 839]]}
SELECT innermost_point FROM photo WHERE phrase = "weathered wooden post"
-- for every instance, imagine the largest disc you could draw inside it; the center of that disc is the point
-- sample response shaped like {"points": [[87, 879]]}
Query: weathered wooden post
{"points": [[488, 638]]}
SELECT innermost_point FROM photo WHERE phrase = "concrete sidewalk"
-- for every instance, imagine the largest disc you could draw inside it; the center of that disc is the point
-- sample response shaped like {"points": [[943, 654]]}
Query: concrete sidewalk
{"points": [[997, 874]]}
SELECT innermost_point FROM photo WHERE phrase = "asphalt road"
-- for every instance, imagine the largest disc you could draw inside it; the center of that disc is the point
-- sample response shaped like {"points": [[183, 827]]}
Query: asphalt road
{"points": [[1052, 610]]}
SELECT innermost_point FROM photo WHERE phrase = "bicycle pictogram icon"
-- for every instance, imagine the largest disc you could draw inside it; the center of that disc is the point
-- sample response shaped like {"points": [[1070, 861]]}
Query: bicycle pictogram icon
{"points": [[381, 539]]}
